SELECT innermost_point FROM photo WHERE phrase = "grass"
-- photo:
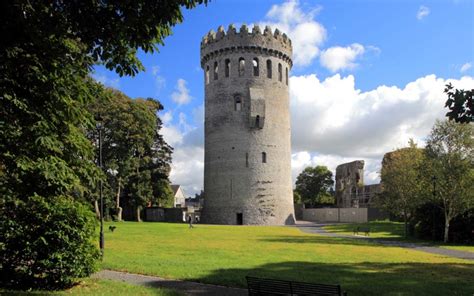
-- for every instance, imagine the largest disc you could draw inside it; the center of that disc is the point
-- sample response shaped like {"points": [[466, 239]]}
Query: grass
{"points": [[459, 248], [96, 287], [226, 254], [388, 230], [378, 229]]}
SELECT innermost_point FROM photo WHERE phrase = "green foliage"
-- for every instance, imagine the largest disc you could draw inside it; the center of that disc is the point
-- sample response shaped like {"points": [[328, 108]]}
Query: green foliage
{"points": [[163, 195], [46, 243], [296, 197], [403, 189], [428, 221], [42, 145], [450, 158], [136, 158], [46, 54], [314, 184], [460, 104]]}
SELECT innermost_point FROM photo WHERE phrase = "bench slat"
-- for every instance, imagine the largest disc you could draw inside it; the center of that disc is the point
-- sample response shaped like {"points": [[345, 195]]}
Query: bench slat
{"points": [[261, 286]]}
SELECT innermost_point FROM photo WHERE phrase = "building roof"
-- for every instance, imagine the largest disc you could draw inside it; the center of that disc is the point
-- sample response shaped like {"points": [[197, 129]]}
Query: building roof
{"points": [[175, 188]]}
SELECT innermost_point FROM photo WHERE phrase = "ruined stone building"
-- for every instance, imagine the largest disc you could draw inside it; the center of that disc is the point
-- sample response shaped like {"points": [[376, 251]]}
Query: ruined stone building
{"points": [[247, 171], [350, 189]]}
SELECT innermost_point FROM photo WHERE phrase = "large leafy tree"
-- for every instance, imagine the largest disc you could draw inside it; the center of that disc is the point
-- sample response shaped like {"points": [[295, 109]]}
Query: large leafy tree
{"points": [[136, 157], [403, 189], [460, 103], [450, 157], [314, 184], [47, 51]]}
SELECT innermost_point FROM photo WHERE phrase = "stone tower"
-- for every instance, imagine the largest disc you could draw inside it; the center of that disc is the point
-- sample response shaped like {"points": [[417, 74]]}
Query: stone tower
{"points": [[247, 170], [349, 183]]}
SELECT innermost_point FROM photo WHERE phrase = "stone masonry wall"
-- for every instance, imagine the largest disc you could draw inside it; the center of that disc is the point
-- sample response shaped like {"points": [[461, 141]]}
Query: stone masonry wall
{"points": [[247, 172]]}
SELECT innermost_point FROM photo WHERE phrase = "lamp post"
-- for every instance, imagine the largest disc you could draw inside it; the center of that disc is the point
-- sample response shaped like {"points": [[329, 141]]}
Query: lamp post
{"points": [[101, 239], [433, 179]]}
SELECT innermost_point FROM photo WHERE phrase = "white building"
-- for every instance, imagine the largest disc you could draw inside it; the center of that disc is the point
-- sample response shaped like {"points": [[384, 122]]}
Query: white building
{"points": [[179, 197]]}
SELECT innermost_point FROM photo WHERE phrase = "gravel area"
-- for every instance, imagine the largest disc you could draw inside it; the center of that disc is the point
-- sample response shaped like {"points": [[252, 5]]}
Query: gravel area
{"points": [[317, 228], [187, 288]]}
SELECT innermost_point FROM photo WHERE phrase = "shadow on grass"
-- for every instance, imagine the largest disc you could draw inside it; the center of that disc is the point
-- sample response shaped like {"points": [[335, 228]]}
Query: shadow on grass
{"points": [[320, 239], [362, 278]]}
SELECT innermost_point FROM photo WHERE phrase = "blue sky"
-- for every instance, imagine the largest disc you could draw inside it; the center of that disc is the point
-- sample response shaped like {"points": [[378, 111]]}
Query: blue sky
{"points": [[367, 76]]}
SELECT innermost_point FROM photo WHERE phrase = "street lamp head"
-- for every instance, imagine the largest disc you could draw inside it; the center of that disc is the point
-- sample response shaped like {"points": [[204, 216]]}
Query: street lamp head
{"points": [[98, 121], [434, 178]]}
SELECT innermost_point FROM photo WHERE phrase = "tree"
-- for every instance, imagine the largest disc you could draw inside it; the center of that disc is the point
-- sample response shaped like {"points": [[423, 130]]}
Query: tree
{"points": [[50, 47], [460, 103], [46, 54], [450, 157], [402, 186], [313, 184], [136, 157], [296, 197]]}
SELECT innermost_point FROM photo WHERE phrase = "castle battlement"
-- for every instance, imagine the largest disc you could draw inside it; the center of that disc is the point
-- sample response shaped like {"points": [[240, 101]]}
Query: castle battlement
{"points": [[247, 143], [221, 42]]}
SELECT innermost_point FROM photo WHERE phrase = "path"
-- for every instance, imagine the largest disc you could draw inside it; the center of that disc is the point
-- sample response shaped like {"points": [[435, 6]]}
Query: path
{"points": [[187, 288], [312, 227]]}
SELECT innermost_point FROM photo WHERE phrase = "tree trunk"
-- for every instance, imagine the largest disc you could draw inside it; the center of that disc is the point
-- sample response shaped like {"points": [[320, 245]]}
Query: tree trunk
{"points": [[446, 230], [97, 210], [117, 203], [405, 218], [138, 214], [406, 228]]}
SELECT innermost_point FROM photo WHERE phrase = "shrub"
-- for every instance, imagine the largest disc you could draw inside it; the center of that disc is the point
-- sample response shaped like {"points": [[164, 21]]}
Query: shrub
{"points": [[46, 243], [430, 216]]}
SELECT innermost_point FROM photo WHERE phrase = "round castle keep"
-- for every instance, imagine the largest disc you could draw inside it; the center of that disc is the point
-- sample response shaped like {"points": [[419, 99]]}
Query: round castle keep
{"points": [[247, 171]]}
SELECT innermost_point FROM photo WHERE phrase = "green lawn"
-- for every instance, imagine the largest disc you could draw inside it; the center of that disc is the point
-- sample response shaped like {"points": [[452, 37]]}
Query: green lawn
{"points": [[378, 229], [95, 287], [390, 231], [459, 248], [226, 254]]}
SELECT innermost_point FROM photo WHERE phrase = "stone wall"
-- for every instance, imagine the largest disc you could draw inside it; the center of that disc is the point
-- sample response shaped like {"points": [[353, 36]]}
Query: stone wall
{"points": [[157, 214], [347, 215], [247, 171], [321, 215], [349, 181]]}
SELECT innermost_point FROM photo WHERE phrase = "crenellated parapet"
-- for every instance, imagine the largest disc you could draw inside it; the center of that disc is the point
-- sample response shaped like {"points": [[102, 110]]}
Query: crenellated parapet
{"points": [[267, 42]]}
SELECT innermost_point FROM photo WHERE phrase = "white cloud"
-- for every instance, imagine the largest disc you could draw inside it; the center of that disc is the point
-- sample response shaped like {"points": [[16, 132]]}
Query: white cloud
{"points": [[167, 117], [333, 117], [187, 168], [107, 81], [341, 58], [303, 159], [306, 34], [423, 12], [172, 135], [332, 123], [465, 67], [159, 80], [181, 94], [187, 139]]}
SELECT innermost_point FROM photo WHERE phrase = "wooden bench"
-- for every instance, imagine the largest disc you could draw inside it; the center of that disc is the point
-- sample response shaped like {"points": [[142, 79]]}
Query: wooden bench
{"points": [[365, 230], [260, 287]]}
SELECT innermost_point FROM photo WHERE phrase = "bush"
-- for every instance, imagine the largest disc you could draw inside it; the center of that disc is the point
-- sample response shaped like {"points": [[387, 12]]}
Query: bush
{"points": [[46, 243], [460, 230]]}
